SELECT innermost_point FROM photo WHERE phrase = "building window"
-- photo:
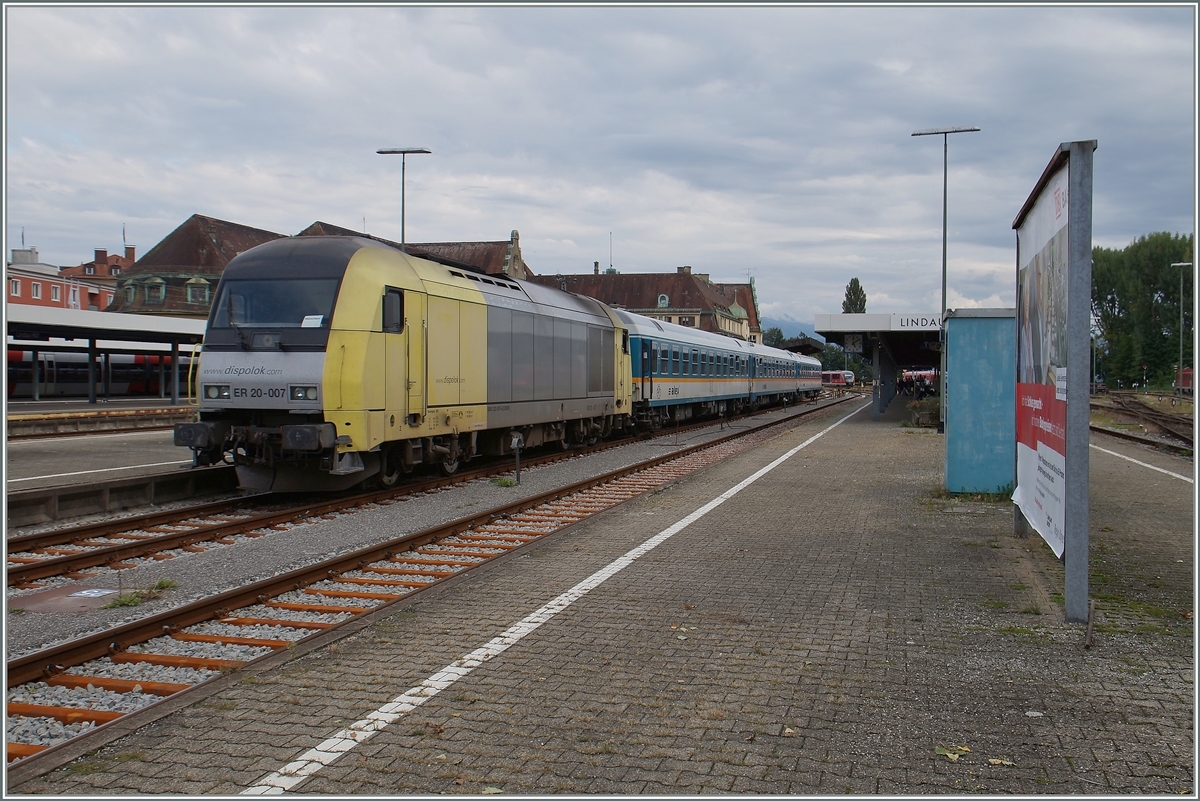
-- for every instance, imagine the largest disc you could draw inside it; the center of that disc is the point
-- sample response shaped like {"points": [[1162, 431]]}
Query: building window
{"points": [[687, 321], [74, 298], [114, 270], [14, 287], [663, 301], [197, 291], [89, 270], [107, 299], [55, 293], [156, 290], [130, 294], [35, 290]]}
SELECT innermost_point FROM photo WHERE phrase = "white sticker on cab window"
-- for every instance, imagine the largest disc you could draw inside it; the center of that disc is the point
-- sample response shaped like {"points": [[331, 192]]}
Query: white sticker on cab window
{"points": [[312, 321]]}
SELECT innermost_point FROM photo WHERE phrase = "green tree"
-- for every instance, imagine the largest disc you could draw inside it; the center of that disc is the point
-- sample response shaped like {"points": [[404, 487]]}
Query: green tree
{"points": [[856, 298], [773, 337], [1136, 305]]}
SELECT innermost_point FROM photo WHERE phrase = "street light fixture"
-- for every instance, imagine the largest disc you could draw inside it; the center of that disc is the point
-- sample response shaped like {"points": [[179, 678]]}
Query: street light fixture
{"points": [[945, 134], [403, 152], [1179, 375]]}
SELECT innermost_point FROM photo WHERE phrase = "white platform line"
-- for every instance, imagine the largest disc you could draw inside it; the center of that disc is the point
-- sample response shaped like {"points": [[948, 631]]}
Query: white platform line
{"points": [[1143, 464], [101, 470], [311, 761]]}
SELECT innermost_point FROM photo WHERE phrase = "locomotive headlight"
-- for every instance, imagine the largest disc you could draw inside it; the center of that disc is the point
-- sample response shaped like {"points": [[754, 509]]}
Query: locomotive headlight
{"points": [[303, 393], [215, 391]]}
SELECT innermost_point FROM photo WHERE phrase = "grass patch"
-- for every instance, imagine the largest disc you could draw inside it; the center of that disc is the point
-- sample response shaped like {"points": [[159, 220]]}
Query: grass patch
{"points": [[1031, 610], [85, 768], [992, 603], [1150, 628], [503, 481], [1018, 586], [16, 610]]}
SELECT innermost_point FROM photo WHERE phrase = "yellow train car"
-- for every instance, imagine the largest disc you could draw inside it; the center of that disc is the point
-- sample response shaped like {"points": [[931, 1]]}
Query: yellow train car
{"points": [[329, 361]]}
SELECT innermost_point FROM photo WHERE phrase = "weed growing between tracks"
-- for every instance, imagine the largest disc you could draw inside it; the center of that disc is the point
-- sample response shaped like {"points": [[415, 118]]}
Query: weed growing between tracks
{"points": [[139, 597]]}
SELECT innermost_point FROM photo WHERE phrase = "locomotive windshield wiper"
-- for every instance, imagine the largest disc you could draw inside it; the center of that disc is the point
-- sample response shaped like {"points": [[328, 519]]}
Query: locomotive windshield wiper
{"points": [[229, 313], [241, 335]]}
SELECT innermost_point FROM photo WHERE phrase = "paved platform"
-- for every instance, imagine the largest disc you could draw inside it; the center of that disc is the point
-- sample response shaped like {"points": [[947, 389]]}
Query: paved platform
{"points": [[837, 626]]}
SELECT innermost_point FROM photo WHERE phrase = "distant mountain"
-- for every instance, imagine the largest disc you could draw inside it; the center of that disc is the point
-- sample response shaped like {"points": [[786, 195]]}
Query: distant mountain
{"points": [[788, 326]]}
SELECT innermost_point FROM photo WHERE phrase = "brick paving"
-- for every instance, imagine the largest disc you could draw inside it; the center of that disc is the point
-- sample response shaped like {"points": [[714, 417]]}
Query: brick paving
{"points": [[825, 631]]}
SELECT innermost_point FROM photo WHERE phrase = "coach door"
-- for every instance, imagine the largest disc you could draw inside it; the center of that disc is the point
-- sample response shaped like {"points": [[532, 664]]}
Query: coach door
{"points": [[647, 371]]}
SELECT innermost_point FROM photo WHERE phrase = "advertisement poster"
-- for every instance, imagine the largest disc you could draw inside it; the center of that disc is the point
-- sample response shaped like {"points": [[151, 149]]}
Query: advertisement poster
{"points": [[1042, 258]]}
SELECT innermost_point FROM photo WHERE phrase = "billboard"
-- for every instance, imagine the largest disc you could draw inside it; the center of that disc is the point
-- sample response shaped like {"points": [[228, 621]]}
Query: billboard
{"points": [[1054, 303], [1041, 361]]}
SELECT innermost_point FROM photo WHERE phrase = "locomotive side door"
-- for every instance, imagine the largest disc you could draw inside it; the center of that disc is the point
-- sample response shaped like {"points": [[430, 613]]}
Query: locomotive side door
{"points": [[416, 325], [395, 354]]}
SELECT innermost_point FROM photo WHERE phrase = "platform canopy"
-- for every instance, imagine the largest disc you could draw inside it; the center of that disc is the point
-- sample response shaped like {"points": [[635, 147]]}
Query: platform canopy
{"points": [[911, 339], [41, 323]]}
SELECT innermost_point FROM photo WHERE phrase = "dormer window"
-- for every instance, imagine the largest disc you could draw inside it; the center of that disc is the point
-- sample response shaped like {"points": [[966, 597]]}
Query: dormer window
{"points": [[114, 270], [89, 270], [663, 301], [156, 290], [197, 291]]}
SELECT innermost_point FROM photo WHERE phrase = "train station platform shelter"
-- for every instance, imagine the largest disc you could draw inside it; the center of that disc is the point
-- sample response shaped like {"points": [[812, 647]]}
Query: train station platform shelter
{"points": [[99, 334], [892, 343]]}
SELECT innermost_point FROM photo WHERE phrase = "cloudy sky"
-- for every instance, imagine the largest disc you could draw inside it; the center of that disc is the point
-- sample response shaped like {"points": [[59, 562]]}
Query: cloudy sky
{"points": [[769, 142]]}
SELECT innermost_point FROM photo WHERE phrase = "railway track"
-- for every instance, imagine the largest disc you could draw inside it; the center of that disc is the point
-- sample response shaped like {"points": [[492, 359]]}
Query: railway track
{"points": [[1177, 425], [1182, 450], [69, 698], [124, 543]]}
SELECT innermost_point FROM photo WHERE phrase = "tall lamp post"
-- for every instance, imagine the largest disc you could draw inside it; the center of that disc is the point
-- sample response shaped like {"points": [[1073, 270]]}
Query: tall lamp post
{"points": [[945, 134], [1179, 375], [403, 152]]}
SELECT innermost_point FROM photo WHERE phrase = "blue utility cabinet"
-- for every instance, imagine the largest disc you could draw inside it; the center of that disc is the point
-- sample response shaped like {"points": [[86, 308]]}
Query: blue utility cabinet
{"points": [[981, 396]]}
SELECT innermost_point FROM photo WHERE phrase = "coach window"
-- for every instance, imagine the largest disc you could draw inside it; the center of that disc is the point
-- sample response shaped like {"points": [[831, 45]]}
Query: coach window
{"points": [[675, 360], [695, 362], [625, 342]]}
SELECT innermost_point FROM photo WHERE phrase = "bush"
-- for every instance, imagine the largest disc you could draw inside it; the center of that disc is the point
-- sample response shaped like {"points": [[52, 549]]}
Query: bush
{"points": [[925, 411]]}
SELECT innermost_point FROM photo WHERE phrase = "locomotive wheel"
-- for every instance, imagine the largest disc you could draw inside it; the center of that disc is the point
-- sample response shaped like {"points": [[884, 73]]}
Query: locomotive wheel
{"points": [[391, 467], [450, 466]]}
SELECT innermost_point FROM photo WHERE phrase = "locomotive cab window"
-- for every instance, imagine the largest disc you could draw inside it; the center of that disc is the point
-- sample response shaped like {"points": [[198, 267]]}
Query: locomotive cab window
{"points": [[393, 311], [288, 303]]}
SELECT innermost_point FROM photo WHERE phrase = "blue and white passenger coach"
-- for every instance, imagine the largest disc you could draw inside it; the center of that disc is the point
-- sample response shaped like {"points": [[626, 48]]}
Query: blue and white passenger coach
{"points": [[681, 372]]}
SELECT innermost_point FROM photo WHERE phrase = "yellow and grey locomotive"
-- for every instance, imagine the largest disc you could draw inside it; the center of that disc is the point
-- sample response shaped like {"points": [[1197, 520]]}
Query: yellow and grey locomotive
{"points": [[331, 360]]}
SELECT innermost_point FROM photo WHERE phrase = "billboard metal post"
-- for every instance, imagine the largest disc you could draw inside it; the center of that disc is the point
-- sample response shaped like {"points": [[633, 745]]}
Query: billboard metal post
{"points": [[1079, 325]]}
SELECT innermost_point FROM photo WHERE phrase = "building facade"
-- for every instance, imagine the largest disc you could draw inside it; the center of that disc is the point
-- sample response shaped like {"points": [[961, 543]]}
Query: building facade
{"points": [[683, 297], [178, 276], [33, 283]]}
